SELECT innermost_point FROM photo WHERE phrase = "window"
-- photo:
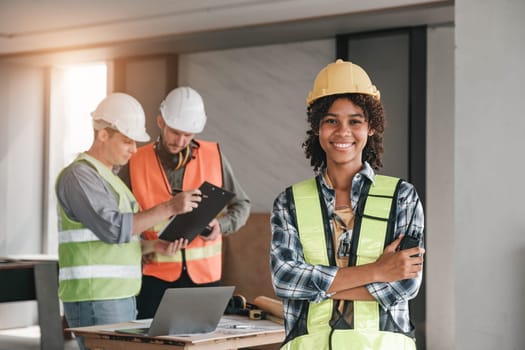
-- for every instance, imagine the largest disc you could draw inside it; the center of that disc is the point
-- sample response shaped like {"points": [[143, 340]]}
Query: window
{"points": [[75, 91]]}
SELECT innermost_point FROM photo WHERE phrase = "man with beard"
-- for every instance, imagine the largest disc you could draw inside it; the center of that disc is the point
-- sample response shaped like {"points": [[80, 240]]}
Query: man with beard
{"points": [[176, 162]]}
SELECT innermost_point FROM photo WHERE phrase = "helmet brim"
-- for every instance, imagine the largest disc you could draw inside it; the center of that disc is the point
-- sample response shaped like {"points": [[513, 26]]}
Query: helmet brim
{"points": [[142, 137]]}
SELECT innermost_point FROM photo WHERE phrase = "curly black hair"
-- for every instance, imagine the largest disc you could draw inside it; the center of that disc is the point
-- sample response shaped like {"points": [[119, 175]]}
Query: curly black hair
{"points": [[374, 114]]}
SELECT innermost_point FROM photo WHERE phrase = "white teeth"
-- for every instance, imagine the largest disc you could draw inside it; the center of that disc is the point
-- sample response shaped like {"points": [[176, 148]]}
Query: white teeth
{"points": [[342, 145]]}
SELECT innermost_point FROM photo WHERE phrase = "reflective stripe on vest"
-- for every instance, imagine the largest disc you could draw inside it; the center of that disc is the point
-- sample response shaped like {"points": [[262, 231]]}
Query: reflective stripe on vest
{"points": [[80, 235], [151, 187], [366, 333], [310, 225], [99, 271], [90, 269]]}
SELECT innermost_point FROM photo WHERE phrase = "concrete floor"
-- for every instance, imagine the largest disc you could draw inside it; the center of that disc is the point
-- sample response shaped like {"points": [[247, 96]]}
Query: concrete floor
{"points": [[27, 338]]}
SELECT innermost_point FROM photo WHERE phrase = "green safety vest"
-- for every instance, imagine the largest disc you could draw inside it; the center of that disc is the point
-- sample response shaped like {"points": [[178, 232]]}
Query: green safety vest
{"points": [[90, 269], [371, 225]]}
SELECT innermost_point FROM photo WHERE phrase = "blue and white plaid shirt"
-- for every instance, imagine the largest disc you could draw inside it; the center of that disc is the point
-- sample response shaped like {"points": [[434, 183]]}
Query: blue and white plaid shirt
{"points": [[295, 281]]}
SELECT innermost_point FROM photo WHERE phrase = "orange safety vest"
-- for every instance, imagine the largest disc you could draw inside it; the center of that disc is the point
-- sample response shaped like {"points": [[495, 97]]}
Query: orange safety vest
{"points": [[150, 186]]}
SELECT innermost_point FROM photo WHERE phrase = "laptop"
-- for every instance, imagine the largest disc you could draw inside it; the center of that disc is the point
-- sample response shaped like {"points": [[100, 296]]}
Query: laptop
{"points": [[186, 311]]}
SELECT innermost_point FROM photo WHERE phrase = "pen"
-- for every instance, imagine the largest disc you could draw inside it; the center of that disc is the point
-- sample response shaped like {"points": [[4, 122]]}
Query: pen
{"points": [[242, 326], [174, 191]]}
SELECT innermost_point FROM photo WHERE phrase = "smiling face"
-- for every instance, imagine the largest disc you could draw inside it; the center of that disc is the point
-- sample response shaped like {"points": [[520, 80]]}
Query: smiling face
{"points": [[343, 133]]}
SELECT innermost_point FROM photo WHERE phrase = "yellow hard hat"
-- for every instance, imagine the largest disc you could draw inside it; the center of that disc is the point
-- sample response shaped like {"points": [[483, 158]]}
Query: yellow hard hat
{"points": [[341, 77]]}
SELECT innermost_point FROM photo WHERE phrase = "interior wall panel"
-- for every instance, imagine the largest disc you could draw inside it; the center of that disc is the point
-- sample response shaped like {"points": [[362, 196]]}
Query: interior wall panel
{"points": [[255, 99]]}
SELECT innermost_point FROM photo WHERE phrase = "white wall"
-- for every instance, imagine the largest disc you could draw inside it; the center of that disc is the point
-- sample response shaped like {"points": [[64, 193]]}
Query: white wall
{"points": [[21, 167], [21, 162], [489, 209], [439, 261], [255, 99]]}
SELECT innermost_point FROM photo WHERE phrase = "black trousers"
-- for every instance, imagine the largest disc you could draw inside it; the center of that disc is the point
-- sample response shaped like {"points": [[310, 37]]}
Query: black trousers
{"points": [[153, 289]]}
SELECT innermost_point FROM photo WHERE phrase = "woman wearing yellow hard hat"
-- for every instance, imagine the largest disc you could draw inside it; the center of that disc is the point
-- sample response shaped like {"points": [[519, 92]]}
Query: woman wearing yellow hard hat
{"points": [[347, 245]]}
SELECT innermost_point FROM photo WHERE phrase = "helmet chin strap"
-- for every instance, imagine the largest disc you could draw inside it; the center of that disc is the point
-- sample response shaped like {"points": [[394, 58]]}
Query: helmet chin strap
{"points": [[173, 161]]}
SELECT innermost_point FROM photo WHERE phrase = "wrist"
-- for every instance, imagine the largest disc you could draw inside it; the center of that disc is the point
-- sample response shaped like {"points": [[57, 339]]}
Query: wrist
{"points": [[375, 272], [168, 210]]}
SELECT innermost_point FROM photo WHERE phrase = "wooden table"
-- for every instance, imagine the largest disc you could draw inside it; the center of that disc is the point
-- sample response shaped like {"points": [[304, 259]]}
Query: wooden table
{"points": [[260, 332], [35, 280]]}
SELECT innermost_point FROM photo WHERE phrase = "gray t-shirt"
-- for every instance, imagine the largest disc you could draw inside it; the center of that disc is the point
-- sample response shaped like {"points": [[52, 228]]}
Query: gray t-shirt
{"points": [[86, 197]]}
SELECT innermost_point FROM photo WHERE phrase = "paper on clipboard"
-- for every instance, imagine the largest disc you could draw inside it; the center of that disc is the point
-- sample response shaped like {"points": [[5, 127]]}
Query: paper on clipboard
{"points": [[191, 224]]}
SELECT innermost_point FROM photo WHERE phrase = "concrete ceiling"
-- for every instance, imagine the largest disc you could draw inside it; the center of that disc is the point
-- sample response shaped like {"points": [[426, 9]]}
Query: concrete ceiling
{"points": [[58, 31]]}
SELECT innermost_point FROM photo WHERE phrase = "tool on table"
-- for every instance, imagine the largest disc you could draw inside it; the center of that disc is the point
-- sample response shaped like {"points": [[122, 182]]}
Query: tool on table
{"points": [[263, 308], [272, 306]]}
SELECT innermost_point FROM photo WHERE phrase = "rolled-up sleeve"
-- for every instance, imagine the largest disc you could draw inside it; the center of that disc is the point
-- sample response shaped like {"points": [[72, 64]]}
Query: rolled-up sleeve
{"points": [[292, 277], [87, 198], [238, 209]]}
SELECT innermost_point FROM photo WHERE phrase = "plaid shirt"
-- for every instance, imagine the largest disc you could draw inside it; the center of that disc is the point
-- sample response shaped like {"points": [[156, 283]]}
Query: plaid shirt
{"points": [[296, 281]]}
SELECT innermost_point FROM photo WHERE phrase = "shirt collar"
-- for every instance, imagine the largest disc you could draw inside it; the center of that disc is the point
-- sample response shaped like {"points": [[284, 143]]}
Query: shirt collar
{"points": [[365, 171], [368, 172], [357, 182]]}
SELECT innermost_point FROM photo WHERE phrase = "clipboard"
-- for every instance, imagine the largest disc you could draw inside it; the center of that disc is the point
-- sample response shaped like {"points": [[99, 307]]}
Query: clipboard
{"points": [[193, 223]]}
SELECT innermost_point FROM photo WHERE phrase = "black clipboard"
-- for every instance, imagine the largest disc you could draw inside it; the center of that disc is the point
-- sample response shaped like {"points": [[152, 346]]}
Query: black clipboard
{"points": [[193, 223]]}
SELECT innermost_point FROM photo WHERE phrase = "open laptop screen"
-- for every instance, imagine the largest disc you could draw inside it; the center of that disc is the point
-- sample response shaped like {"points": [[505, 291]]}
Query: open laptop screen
{"points": [[187, 311]]}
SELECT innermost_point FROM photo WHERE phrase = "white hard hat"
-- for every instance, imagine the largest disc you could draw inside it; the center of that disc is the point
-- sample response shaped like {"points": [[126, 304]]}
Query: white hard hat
{"points": [[183, 109], [124, 113]]}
